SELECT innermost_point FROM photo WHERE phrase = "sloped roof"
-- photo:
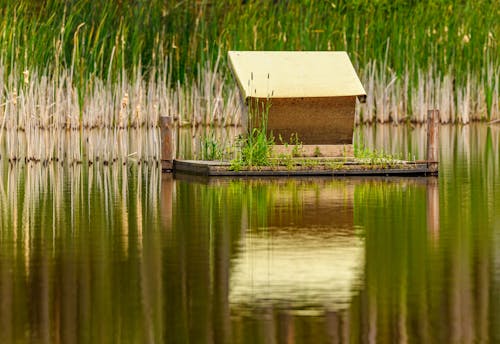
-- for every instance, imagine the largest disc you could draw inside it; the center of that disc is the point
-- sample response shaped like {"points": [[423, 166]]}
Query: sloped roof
{"points": [[292, 74]]}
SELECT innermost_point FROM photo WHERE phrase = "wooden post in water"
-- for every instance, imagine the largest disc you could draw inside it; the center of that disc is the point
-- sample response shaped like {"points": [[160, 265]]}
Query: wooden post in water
{"points": [[166, 143], [432, 141]]}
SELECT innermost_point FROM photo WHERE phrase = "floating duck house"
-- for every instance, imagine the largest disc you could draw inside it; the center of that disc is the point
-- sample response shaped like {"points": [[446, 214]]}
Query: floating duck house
{"points": [[310, 94]]}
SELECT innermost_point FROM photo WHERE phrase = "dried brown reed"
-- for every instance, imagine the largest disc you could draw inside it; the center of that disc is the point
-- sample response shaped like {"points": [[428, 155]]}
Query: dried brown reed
{"points": [[45, 119], [397, 99]]}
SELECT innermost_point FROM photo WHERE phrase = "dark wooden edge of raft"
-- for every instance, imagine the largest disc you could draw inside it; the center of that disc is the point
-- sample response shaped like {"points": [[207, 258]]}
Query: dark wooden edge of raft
{"points": [[222, 169], [210, 168]]}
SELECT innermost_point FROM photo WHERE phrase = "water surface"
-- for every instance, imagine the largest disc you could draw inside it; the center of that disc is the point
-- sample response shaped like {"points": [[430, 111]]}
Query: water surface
{"points": [[125, 254]]}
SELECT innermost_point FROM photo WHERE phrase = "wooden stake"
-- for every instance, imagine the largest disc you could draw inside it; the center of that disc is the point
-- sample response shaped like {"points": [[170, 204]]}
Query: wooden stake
{"points": [[166, 143], [432, 141]]}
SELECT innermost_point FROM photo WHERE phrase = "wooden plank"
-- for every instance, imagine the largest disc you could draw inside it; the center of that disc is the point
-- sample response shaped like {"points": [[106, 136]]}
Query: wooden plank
{"points": [[319, 180], [359, 172], [191, 167]]}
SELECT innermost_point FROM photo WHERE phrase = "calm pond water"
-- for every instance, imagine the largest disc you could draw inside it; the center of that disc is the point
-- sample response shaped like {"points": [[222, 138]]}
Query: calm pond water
{"points": [[128, 255]]}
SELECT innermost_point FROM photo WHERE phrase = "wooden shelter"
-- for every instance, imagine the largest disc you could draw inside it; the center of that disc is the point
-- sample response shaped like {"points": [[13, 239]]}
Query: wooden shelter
{"points": [[309, 93]]}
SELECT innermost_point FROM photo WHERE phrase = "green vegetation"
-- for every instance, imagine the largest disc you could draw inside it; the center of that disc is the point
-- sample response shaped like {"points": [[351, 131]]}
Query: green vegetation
{"points": [[211, 148], [255, 147], [297, 146], [103, 38], [375, 157], [317, 152], [254, 150]]}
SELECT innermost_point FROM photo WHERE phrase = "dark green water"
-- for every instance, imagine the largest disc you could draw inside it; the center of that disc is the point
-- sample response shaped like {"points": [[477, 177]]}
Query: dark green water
{"points": [[108, 255]]}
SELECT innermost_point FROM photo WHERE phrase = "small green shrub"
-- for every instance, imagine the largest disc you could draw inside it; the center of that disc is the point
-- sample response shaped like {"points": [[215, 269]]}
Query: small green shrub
{"points": [[211, 148], [375, 157], [317, 152], [298, 148], [285, 160], [256, 148]]}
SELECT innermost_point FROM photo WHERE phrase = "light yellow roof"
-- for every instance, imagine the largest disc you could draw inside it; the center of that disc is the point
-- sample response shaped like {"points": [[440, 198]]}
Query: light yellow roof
{"points": [[290, 74]]}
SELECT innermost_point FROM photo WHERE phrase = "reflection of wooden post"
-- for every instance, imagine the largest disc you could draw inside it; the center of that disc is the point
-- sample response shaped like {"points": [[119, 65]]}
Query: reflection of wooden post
{"points": [[432, 141], [286, 330], [166, 143], [221, 308], [332, 320], [6, 307], [167, 186], [433, 208]]}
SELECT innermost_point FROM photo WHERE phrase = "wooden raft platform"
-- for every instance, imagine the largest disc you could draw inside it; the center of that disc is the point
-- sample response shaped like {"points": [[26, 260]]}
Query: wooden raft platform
{"points": [[290, 167], [324, 167]]}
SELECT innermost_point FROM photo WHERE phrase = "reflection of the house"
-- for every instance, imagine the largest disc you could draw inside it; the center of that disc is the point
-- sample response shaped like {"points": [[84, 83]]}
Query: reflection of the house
{"points": [[308, 253]]}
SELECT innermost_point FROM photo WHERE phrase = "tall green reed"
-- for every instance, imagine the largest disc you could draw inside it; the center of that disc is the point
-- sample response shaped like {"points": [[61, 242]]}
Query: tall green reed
{"points": [[102, 38]]}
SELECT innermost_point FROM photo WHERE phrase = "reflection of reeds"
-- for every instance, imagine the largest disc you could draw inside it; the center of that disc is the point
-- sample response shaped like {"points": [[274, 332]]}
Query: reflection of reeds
{"points": [[475, 141], [108, 146], [84, 255], [62, 228], [402, 268]]}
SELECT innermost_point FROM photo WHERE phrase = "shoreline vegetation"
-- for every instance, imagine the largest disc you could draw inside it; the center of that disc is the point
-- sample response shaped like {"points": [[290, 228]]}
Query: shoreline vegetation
{"points": [[77, 77]]}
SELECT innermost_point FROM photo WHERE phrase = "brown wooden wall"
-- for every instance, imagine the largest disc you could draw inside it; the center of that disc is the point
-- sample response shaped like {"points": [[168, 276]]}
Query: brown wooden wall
{"points": [[315, 120]]}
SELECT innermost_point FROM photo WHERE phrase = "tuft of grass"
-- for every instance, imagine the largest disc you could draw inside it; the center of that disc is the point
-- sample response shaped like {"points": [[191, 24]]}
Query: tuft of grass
{"points": [[375, 157], [255, 148], [211, 148], [298, 148]]}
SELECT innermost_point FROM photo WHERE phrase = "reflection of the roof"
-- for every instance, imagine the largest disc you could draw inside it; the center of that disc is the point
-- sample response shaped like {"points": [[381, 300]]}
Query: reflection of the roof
{"points": [[309, 268]]}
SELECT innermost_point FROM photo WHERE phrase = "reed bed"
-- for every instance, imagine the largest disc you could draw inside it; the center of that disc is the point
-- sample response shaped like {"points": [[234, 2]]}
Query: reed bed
{"points": [[101, 39], [68, 69], [63, 227], [43, 119], [398, 99]]}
